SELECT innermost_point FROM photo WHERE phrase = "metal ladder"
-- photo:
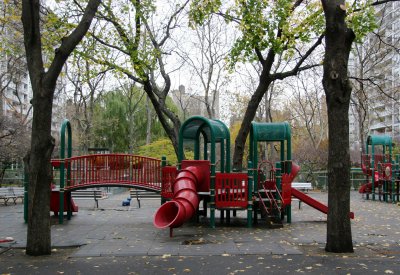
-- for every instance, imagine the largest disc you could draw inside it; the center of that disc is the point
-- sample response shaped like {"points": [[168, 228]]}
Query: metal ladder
{"points": [[270, 199]]}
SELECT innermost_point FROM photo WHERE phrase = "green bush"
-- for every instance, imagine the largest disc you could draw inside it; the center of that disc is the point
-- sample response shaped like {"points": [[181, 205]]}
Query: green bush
{"points": [[159, 148]]}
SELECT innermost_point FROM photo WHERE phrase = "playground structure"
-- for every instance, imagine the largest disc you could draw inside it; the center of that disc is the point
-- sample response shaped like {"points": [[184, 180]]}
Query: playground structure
{"points": [[265, 190], [381, 170], [97, 170]]}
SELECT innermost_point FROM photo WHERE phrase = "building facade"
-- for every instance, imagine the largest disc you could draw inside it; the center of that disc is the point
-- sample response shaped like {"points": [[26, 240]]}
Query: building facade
{"points": [[195, 105], [375, 66]]}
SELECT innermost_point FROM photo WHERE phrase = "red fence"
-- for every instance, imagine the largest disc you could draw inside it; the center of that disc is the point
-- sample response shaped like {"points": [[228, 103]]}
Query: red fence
{"points": [[114, 169], [231, 190]]}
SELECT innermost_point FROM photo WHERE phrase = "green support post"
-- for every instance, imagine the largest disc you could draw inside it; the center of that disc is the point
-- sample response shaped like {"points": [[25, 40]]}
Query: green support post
{"points": [[250, 194], [392, 181], [65, 126], [212, 184], [163, 161], [398, 174], [62, 180], [196, 149], [222, 158], [163, 164]]}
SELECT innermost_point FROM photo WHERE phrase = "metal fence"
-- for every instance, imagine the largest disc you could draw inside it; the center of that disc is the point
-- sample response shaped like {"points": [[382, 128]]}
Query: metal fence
{"points": [[13, 177], [319, 179]]}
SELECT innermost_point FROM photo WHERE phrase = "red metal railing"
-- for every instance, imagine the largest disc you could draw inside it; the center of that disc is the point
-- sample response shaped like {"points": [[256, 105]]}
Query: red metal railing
{"points": [[231, 190], [114, 169]]}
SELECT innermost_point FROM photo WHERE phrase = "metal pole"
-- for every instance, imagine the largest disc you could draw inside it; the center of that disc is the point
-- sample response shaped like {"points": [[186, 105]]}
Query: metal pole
{"points": [[250, 194]]}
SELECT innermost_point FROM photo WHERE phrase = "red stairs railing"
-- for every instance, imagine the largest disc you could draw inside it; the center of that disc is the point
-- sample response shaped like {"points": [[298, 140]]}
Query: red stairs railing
{"points": [[267, 192]]}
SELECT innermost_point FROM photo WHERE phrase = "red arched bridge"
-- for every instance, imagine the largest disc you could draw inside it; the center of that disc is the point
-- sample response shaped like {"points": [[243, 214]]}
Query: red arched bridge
{"points": [[119, 170]]}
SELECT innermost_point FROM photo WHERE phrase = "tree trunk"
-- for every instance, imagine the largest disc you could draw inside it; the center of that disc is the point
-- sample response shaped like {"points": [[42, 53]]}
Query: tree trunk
{"points": [[172, 131], [240, 141], [149, 121], [42, 144], [338, 41]]}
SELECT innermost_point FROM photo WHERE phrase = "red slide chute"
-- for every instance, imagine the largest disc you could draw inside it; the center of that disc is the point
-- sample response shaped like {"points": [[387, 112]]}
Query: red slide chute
{"points": [[185, 201]]}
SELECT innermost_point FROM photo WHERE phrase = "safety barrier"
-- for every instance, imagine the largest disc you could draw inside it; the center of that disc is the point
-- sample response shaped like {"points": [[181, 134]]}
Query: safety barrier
{"points": [[168, 177], [231, 190], [113, 169]]}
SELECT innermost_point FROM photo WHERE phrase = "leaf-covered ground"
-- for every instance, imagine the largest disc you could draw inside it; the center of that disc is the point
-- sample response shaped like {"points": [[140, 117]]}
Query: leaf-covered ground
{"points": [[123, 240]]}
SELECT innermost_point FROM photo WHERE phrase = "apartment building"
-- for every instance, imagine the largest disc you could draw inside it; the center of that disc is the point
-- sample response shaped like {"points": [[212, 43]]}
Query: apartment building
{"points": [[376, 102], [16, 91]]}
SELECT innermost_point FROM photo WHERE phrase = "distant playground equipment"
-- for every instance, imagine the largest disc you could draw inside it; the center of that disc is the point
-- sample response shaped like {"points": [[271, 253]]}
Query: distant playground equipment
{"points": [[380, 169], [264, 190]]}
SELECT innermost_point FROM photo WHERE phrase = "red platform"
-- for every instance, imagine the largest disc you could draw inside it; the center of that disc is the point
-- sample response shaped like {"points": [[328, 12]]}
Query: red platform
{"points": [[55, 202]]}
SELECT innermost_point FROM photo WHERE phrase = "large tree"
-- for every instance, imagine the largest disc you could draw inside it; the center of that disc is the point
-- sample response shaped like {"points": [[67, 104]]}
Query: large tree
{"points": [[43, 85], [338, 38], [138, 39], [343, 26], [120, 121], [268, 30], [271, 28]]}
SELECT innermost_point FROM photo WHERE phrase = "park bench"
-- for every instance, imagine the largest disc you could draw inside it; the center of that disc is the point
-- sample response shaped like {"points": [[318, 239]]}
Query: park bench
{"points": [[19, 192], [302, 186], [11, 193], [141, 194], [95, 194]]}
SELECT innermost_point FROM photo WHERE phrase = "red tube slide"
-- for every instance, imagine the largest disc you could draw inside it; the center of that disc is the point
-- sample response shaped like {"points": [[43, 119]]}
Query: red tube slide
{"points": [[185, 200]]}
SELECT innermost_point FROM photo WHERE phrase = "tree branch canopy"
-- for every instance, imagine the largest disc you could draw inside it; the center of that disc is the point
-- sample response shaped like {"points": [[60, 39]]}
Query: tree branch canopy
{"points": [[70, 42]]}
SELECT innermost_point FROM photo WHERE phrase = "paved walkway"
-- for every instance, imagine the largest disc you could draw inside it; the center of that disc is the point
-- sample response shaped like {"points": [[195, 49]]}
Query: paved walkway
{"points": [[128, 231]]}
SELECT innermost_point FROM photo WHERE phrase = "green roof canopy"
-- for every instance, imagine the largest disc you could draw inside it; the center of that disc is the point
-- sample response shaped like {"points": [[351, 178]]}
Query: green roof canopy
{"points": [[213, 131], [270, 132], [376, 140], [379, 140]]}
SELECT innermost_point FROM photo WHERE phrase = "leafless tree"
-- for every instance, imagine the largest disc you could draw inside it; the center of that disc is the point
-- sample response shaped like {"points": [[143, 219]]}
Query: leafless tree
{"points": [[88, 84], [15, 107], [205, 57], [307, 107]]}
